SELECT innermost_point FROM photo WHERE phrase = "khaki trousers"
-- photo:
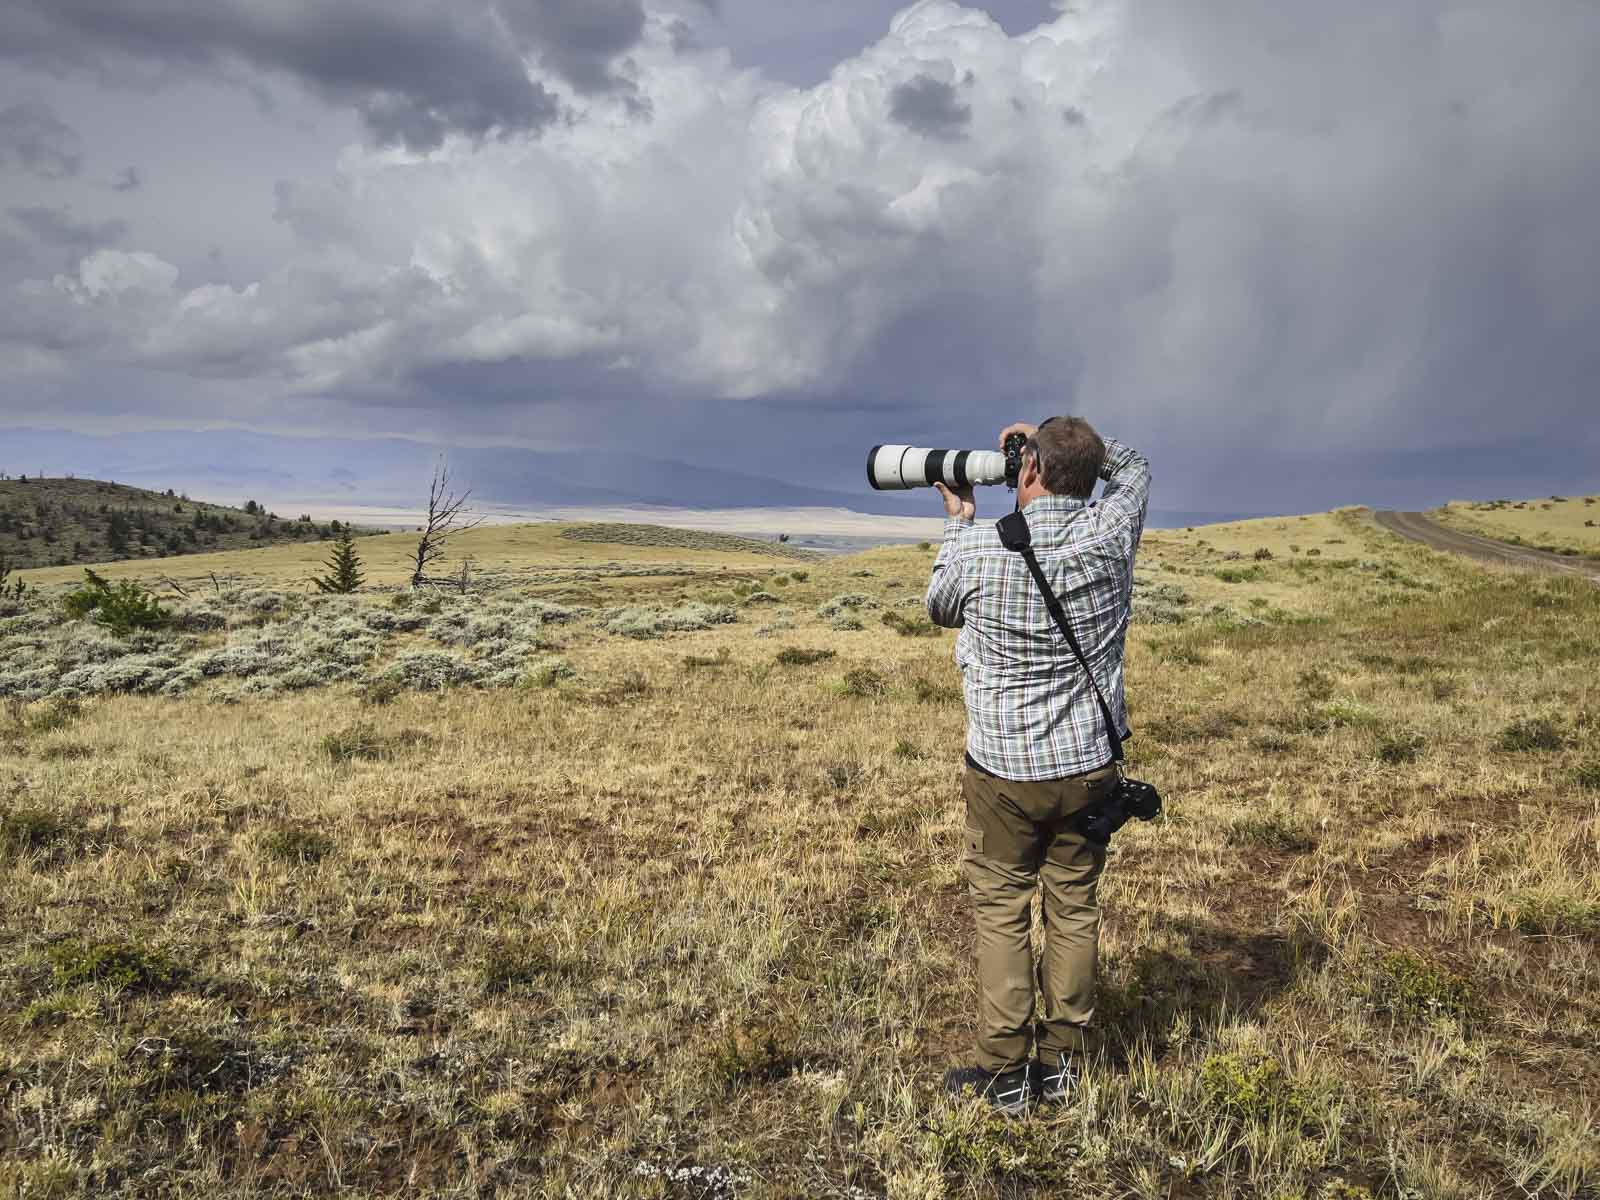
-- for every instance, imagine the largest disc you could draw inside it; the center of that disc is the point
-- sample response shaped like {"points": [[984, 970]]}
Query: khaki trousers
{"points": [[1018, 836]]}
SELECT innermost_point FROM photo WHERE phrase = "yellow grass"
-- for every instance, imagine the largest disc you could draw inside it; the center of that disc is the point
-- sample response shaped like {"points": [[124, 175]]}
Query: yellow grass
{"points": [[386, 559], [689, 923], [1562, 524]]}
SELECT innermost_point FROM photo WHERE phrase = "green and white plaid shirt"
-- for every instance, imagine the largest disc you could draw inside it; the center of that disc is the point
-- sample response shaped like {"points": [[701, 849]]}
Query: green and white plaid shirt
{"points": [[1031, 714]]}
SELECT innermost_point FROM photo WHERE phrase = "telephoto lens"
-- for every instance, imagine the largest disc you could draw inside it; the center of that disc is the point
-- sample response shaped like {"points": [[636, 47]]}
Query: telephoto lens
{"points": [[898, 468]]}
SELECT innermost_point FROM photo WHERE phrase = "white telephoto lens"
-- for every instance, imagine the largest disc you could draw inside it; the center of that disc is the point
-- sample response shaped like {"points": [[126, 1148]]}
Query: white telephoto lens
{"points": [[897, 468]]}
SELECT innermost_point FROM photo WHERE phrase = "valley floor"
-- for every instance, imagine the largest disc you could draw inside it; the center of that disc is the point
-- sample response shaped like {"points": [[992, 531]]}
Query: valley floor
{"points": [[634, 873]]}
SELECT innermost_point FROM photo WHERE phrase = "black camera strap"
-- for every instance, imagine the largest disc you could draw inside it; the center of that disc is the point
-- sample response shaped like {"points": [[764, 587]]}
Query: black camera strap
{"points": [[1015, 535]]}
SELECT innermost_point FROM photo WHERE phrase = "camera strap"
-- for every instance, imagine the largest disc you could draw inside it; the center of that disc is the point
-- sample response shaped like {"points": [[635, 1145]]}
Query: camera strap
{"points": [[1015, 535]]}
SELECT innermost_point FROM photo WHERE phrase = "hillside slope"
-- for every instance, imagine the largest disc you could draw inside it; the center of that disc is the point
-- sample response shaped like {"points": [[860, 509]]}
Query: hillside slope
{"points": [[65, 522]]}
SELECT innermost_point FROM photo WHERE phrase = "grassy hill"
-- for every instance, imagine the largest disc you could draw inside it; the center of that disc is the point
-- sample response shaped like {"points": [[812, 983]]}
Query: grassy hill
{"points": [[65, 522], [1561, 524], [634, 871]]}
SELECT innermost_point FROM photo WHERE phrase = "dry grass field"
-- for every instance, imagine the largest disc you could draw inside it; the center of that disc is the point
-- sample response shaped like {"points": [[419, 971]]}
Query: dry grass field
{"points": [[1563, 524], [634, 873]]}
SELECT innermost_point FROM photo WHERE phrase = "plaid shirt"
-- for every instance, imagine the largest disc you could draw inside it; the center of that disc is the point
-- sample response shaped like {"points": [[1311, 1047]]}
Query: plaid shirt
{"points": [[1031, 713]]}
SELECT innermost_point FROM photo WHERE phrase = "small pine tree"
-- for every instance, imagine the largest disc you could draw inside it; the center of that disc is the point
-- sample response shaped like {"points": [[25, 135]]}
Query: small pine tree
{"points": [[344, 567]]}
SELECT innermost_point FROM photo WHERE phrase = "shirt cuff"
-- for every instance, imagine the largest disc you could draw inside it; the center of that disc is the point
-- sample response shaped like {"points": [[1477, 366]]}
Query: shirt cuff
{"points": [[956, 525]]}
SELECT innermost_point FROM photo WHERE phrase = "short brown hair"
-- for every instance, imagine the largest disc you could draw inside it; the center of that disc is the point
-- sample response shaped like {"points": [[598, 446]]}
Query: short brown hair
{"points": [[1070, 455]]}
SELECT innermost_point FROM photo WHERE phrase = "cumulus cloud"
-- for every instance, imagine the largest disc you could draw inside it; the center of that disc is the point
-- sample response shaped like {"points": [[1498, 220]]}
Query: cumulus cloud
{"points": [[1239, 231], [34, 138]]}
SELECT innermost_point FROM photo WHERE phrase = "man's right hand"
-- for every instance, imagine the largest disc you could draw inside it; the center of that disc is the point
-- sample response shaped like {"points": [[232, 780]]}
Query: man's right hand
{"points": [[1021, 427]]}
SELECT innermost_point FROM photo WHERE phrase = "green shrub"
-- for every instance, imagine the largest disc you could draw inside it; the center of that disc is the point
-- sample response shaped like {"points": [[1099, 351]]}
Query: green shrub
{"points": [[298, 845], [1411, 985], [547, 673], [799, 576], [1587, 777], [1397, 748], [1239, 574], [121, 965], [358, 741], [796, 656], [929, 689], [910, 626], [1349, 713], [864, 681], [696, 662], [1253, 1088], [378, 692], [1533, 734], [121, 608], [32, 830], [846, 623]]}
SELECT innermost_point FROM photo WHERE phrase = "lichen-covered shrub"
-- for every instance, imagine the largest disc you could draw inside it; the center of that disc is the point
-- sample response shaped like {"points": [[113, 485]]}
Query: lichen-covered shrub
{"points": [[431, 670], [203, 617], [651, 622], [846, 601], [262, 601]]}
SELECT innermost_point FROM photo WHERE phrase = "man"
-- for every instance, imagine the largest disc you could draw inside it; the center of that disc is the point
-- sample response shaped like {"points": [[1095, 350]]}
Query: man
{"points": [[1038, 751]]}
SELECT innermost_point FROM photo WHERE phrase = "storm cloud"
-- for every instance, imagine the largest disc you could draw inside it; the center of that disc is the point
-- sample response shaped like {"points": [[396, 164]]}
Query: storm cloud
{"points": [[1264, 235], [34, 138], [415, 71]]}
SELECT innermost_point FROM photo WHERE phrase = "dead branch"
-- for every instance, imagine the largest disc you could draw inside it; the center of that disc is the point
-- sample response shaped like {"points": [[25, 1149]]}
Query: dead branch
{"points": [[445, 518]]}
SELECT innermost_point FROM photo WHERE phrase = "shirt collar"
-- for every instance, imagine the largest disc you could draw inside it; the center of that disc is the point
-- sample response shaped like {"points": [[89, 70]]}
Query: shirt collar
{"points": [[1047, 505]]}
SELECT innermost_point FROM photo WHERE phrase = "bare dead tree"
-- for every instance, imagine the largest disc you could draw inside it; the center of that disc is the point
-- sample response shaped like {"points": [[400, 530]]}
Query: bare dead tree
{"points": [[445, 517]]}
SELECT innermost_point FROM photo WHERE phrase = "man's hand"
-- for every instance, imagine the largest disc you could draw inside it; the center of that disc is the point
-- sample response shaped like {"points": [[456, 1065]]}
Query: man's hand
{"points": [[1021, 427], [959, 504]]}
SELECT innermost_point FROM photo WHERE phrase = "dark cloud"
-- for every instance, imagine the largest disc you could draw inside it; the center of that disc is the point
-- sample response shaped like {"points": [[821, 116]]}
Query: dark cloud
{"points": [[33, 137], [58, 228], [579, 39], [415, 71], [930, 107], [128, 180]]}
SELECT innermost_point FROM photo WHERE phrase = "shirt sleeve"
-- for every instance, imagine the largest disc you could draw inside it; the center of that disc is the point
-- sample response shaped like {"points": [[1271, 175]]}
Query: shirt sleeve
{"points": [[1126, 499], [947, 592]]}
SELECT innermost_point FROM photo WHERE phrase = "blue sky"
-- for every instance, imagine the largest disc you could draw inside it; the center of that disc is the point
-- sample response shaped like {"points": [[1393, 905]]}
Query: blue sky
{"points": [[1301, 253]]}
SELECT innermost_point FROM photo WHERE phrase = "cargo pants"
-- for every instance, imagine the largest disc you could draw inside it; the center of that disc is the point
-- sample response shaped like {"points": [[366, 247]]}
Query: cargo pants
{"points": [[1019, 836]]}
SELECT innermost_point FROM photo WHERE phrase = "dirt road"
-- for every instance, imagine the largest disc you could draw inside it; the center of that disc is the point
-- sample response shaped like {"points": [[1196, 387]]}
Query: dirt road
{"points": [[1420, 529]]}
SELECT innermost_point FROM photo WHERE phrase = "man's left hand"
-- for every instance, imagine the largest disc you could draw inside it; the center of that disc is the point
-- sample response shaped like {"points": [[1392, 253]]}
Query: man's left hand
{"points": [[959, 503]]}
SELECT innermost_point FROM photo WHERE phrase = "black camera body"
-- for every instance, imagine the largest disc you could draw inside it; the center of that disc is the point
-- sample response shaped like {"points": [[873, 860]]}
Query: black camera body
{"points": [[1132, 798], [1014, 445]]}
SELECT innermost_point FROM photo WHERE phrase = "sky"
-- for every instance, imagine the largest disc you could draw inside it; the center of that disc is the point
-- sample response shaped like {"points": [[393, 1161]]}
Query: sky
{"points": [[1300, 254]]}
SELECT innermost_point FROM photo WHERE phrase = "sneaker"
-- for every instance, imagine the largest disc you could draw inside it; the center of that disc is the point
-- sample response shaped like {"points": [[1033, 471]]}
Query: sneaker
{"points": [[1059, 1077], [1009, 1092]]}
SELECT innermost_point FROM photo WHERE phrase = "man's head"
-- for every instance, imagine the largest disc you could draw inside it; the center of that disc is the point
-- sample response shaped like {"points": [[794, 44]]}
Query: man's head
{"points": [[1062, 458]]}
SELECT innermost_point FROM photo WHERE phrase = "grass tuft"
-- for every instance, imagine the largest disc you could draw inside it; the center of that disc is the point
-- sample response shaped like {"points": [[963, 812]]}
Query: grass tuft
{"points": [[799, 656], [864, 681], [295, 844], [124, 966], [1534, 734]]}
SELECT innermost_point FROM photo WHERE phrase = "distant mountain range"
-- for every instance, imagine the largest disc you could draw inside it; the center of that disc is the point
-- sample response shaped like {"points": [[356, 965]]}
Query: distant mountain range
{"points": [[230, 467]]}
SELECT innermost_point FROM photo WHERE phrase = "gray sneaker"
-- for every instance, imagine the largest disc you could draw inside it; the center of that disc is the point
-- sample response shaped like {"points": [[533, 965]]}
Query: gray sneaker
{"points": [[1009, 1092], [1060, 1074]]}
